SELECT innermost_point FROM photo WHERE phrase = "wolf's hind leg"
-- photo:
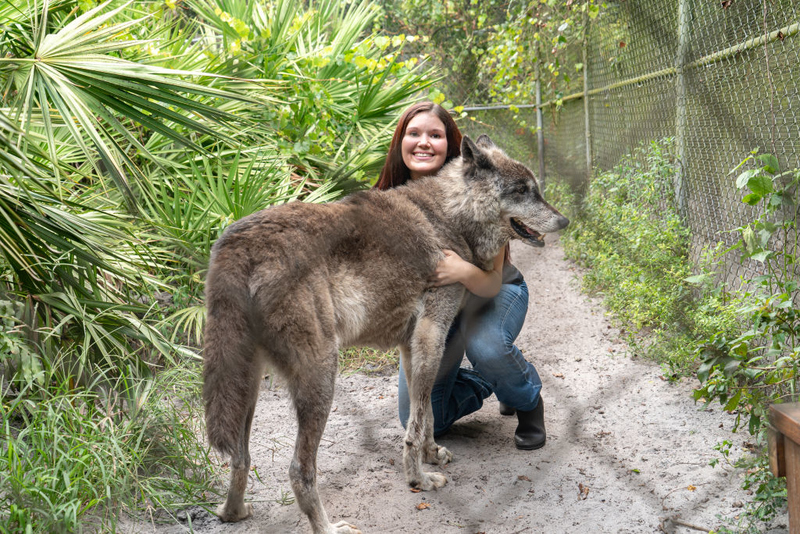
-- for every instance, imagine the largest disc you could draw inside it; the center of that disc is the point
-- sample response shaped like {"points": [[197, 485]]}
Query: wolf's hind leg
{"points": [[312, 392], [234, 508]]}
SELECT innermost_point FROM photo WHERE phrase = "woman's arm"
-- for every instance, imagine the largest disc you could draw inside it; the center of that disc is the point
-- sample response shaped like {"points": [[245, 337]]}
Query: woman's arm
{"points": [[453, 269]]}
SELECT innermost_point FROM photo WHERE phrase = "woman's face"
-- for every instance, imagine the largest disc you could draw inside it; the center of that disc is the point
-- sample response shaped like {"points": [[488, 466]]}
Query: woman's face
{"points": [[424, 146]]}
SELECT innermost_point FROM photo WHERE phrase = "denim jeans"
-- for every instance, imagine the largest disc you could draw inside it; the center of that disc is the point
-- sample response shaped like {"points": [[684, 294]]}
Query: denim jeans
{"points": [[485, 330]]}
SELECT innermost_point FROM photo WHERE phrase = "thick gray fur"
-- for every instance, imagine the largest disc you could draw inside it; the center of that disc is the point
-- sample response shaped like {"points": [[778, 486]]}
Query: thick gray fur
{"points": [[291, 285]]}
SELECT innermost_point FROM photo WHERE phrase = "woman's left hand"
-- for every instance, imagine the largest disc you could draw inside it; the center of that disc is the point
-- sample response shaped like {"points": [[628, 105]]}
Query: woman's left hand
{"points": [[452, 269]]}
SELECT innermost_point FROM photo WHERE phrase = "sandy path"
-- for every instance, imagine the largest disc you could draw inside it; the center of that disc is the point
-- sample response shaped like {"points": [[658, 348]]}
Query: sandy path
{"points": [[626, 451]]}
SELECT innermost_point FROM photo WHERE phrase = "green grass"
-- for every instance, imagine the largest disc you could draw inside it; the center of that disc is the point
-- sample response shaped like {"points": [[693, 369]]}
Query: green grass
{"points": [[75, 456]]}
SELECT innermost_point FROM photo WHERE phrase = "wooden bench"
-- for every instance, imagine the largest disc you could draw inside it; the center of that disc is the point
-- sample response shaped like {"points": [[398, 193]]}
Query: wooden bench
{"points": [[784, 454]]}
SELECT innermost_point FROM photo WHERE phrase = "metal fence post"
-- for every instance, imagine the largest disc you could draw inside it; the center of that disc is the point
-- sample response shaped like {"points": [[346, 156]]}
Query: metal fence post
{"points": [[586, 96], [539, 121], [684, 32]]}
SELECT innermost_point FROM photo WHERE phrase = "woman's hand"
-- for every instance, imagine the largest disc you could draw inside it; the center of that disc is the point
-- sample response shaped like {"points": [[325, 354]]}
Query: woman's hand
{"points": [[450, 270], [454, 269]]}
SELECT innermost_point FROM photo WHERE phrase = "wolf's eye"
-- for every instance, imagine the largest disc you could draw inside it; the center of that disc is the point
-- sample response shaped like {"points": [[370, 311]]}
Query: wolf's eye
{"points": [[521, 189]]}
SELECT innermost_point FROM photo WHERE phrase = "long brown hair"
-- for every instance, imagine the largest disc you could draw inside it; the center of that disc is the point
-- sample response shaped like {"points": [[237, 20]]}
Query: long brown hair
{"points": [[394, 171]]}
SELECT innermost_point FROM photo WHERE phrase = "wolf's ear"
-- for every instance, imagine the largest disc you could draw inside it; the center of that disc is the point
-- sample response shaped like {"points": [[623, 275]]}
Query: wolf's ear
{"points": [[483, 141], [472, 154]]}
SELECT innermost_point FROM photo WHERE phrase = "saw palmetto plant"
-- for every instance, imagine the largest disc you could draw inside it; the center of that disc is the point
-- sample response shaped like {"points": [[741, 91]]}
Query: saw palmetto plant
{"points": [[131, 135]]}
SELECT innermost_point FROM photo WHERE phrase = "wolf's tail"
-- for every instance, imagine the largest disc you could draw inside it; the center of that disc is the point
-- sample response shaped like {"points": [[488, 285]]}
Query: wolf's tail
{"points": [[230, 363]]}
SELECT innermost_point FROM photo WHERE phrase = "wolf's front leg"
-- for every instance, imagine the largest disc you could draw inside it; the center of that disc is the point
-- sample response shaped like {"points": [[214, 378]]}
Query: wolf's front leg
{"points": [[413, 454], [433, 453], [422, 364]]}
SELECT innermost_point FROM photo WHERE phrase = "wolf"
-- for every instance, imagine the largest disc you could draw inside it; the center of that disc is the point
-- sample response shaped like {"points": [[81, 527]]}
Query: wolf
{"points": [[291, 285]]}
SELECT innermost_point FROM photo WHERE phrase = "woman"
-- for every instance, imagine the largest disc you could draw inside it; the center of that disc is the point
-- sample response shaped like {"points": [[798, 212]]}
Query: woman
{"points": [[427, 138]]}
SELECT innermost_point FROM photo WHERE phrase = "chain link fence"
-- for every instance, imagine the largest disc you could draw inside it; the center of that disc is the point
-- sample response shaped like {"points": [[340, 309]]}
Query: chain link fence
{"points": [[720, 77]]}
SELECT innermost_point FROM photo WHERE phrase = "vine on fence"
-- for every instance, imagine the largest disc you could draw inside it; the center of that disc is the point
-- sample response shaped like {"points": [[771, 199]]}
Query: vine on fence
{"points": [[758, 366]]}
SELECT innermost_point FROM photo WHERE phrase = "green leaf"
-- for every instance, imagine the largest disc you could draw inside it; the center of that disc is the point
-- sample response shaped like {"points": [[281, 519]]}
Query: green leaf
{"points": [[762, 256], [755, 424], [768, 162], [743, 178], [697, 279], [731, 366], [775, 201], [749, 237], [733, 402], [752, 199], [705, 369], [760, 185]]}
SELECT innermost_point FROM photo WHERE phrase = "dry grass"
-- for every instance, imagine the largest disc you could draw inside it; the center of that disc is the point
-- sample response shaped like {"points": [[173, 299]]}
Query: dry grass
{"points": [[368, 361]]}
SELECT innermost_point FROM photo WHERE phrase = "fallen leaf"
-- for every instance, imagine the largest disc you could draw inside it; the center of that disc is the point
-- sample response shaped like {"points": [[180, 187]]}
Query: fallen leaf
{"points": [[423, 506], [415, 490], [583, 491], [558, 375], [391, 461], [691, 488], [523, 477], [726, 4]]}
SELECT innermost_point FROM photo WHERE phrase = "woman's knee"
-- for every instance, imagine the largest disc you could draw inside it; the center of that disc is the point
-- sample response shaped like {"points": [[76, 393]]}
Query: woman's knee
{"points": [[490, 343]]}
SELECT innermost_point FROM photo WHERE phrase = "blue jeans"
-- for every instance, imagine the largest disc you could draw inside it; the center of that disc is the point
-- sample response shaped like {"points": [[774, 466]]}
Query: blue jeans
{"points": [[485, 330]]}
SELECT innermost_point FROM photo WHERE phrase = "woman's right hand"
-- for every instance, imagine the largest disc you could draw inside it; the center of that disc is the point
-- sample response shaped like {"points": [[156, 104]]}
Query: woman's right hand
{"points": [[450, 270], [454, 269]]}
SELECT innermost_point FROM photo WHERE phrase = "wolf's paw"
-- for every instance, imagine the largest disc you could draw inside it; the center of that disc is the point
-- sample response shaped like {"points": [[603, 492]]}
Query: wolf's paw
{"points": [[437, 455], [429, 481], [233, 513], [343, 527]]}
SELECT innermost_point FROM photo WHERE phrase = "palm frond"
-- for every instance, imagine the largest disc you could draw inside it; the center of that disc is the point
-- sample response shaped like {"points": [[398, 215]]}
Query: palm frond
{"points": [[71, 72]]}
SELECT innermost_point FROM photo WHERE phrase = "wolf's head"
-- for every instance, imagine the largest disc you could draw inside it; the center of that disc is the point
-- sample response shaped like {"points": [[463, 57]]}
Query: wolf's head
{"points": [[512, 190]]}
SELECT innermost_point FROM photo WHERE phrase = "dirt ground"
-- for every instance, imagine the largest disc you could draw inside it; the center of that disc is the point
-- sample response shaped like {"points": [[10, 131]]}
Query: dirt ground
{"points": [[627, 451]]}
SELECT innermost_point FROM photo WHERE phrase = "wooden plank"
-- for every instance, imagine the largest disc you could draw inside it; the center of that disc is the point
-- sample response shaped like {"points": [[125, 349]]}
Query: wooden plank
{"points": [[793, 485], [777, 457], [786, 419]]}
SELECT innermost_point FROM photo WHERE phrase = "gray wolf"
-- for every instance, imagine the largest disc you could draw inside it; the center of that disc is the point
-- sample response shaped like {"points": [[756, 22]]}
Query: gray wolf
{"points": [[290, 285]]}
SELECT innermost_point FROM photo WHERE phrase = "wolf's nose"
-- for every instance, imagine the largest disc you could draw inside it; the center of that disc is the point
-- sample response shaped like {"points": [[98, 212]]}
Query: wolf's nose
{"points": [[563, 222]]}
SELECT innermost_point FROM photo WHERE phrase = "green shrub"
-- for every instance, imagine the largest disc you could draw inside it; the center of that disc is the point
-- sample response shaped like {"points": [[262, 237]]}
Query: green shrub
{"points": [[631, 238], [71, 456], [757, 365]]}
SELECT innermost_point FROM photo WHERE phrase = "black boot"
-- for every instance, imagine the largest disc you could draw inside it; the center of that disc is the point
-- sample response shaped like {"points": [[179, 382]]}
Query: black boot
{"points": [[530, 434], [507, 410]]}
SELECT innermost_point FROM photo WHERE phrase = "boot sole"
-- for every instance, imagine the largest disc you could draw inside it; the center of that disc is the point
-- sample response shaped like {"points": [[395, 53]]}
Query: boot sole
{"points": [[533, 447]]}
